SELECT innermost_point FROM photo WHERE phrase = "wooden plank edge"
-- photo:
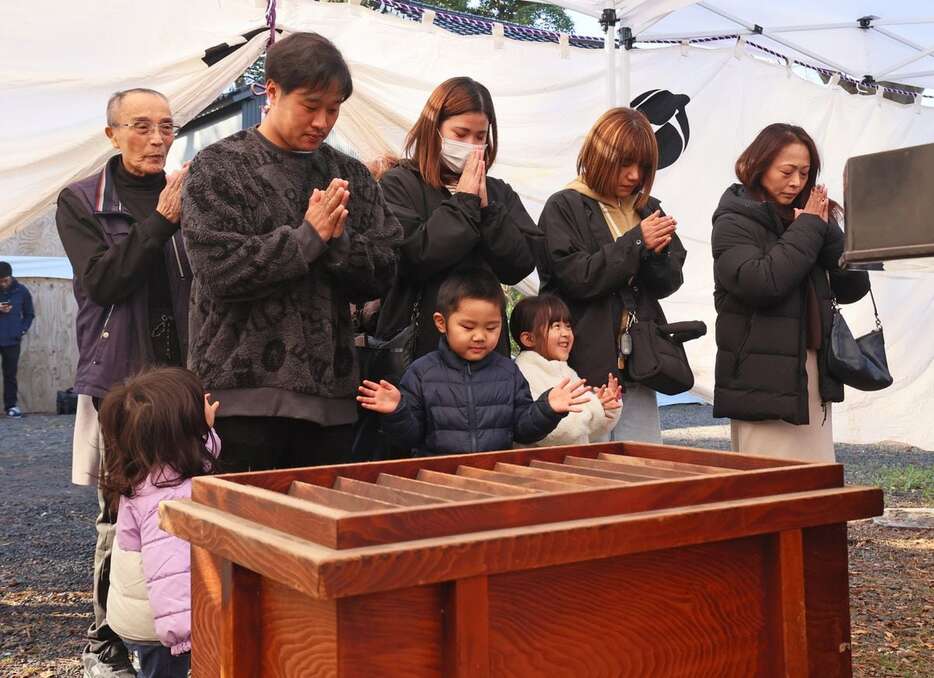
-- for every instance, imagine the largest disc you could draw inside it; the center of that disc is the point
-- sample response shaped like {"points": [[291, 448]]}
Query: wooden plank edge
{"points": [[371, 569]]}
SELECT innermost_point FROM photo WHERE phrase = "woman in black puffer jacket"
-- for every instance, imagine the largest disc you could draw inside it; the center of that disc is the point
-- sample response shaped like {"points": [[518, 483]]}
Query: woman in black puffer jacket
{"points": [[776, 247]]}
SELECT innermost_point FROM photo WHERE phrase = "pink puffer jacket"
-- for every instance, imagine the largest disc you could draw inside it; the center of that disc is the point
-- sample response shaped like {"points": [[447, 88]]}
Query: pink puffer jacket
{"points": [[166, 558]]}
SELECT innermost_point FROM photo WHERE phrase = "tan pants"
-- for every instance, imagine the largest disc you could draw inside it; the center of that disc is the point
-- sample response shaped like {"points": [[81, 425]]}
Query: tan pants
{"points": [[811, 442]]}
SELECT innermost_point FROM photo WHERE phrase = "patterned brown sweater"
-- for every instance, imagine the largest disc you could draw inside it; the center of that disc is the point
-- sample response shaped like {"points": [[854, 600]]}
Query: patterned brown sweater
{"points": [[270, 316]]}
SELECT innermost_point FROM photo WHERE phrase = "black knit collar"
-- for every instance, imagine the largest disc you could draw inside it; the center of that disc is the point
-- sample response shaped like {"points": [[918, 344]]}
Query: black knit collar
{"points": [[125, 178]]}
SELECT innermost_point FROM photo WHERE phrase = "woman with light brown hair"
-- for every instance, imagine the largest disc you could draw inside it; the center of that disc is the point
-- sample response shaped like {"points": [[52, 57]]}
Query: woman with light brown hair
{"points": [[611, 255], [454, 215], [776, 248]]}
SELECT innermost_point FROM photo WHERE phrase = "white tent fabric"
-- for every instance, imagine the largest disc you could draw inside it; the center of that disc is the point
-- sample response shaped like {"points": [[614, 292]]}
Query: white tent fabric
{"points": [[60, 66], [546, 101], [898, 47]]}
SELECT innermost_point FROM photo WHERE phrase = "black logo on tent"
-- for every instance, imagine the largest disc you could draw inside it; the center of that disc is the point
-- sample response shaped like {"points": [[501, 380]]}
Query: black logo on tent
{"points": [[668, 115]]}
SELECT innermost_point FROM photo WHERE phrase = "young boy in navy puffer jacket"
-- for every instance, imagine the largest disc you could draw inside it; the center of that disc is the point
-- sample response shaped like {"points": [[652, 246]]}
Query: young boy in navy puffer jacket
{"points": [[466, 397]]}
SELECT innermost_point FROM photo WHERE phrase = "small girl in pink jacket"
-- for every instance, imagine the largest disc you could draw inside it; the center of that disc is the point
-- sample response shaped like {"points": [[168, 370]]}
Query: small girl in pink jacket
{"points": [[158, 434]]}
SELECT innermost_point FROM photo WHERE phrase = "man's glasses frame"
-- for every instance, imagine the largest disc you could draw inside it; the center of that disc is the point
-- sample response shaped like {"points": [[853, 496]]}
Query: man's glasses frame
{"points": [[144, 129]]}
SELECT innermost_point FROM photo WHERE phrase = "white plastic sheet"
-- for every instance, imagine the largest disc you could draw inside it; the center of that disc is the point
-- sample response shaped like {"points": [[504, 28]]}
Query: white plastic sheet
{"points": [[60, 62], [825, 33], [545, 105]]}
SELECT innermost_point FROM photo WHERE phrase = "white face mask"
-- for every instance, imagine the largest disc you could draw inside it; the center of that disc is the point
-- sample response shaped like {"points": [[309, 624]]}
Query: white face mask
{"points": [[454, 153]]}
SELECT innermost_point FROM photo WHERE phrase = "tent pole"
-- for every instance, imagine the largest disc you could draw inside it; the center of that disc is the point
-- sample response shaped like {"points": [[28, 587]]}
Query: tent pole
{"points": [[625, 66], [608, 21]]}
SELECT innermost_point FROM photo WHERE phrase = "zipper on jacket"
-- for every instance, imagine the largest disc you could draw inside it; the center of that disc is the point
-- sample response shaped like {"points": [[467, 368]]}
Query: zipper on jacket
{"points": [[471, 415], [103, 336], [178, 259], [738, 359]]}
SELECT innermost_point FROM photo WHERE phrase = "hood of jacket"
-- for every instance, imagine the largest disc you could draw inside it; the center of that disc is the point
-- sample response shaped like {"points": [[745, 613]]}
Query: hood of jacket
{"points": [[738, 200], [627, 203]]}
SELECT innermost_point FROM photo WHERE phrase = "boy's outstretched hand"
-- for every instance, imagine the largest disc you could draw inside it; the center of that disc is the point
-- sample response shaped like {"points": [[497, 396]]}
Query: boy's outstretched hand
{"points": [[382, 397], [610, 395], [568, 397]]}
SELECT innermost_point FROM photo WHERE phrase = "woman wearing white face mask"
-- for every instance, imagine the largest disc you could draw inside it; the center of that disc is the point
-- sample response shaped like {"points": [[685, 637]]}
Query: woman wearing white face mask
{"points": [[454, 215]]}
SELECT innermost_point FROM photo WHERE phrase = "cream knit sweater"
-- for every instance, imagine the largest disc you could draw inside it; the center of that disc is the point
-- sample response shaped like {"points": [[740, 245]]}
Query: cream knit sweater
{"points": [[577, 428]]}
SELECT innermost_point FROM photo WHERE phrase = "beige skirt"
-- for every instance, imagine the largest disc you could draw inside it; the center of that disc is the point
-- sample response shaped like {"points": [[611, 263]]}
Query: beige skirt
{"points": [[811, 442]]}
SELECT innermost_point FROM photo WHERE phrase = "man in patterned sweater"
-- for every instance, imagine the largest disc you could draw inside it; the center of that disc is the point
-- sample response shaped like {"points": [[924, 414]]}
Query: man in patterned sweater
{"points": [[284, 232]]}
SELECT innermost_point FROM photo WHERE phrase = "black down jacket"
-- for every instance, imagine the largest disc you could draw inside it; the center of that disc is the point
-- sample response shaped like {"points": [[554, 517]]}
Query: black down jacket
{"points": [[599, 277], [445, 233], [451, 405], [761, 274]]}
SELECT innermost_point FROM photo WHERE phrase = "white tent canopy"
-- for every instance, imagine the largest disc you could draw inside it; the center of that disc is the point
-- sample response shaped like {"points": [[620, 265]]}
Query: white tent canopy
{"points": [[546, 99], [894, 42], [61, 61]]}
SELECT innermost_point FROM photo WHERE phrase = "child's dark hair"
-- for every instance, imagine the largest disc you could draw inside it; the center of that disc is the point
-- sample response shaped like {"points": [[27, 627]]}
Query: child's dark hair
{"points": [[154, 420], [535, 315], [473, 283]]}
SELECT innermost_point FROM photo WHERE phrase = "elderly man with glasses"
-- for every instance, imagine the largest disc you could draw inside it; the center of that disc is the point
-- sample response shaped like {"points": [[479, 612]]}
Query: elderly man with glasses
{"points": [[120, 229]]}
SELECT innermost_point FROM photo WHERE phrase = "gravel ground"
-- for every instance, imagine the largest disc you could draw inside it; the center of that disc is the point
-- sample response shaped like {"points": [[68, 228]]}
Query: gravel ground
{"points": [[47, 543]]}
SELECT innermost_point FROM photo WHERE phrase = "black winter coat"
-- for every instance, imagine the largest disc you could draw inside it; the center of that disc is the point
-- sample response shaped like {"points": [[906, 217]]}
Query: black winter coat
{"points": [[451, 405], [599, 277], [444, 233], [761, 274]]}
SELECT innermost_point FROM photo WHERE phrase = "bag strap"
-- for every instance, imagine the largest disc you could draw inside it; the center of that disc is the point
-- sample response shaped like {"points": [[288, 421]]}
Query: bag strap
{"points": [[874, 309], [836, 306]]}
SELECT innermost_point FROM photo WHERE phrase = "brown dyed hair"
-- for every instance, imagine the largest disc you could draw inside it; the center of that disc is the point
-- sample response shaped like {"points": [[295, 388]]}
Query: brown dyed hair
{"points": [[454, 96], [154, 421], [621, 137], [535, 315], [761, 153]]}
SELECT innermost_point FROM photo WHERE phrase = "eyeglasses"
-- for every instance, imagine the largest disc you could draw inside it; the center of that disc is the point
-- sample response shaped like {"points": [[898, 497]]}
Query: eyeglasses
{"points": [[144, 129]]}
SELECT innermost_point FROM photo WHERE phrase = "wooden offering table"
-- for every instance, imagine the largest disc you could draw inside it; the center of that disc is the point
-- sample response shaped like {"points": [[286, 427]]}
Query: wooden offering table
{"points": [[615, 559]]}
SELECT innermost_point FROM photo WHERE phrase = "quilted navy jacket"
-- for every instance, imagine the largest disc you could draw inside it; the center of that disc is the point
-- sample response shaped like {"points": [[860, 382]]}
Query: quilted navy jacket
{"points": [[451, 405]]}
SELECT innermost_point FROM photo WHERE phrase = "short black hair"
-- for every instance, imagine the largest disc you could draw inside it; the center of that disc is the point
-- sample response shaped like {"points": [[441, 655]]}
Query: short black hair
{"points": [[472, 283], [308, 60], [5, 269], [535, 314]]}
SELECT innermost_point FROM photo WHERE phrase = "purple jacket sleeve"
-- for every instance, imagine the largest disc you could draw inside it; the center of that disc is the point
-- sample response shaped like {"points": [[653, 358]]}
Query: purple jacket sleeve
{"points": [[167, 568], [127, 526]]}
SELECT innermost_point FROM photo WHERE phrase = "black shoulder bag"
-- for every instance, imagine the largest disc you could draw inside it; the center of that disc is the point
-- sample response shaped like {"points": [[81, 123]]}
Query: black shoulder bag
{"points": [[657, 358], [860, 363], [389, 358]]}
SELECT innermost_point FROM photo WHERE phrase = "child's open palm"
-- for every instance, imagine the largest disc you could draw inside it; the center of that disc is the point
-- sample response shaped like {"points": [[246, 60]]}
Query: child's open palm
{"points": [[210, 410], [382, 397], [568, 397], [610, 395]]}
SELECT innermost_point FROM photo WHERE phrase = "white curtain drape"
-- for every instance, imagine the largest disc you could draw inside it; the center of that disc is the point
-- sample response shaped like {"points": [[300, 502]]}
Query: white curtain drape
{"points": [[545, 103]]}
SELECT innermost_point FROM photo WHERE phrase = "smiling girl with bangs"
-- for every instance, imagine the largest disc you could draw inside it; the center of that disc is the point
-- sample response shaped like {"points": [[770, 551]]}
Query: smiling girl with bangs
{"points": [[541, 326]]}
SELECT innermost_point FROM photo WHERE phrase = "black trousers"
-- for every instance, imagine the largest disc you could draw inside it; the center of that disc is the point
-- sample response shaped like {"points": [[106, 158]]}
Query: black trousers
{"points": [[263, 443], [10, 360]]}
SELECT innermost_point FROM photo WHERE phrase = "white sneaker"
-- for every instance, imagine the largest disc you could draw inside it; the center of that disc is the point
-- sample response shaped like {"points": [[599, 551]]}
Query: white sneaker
{"points": [[14, 412]]}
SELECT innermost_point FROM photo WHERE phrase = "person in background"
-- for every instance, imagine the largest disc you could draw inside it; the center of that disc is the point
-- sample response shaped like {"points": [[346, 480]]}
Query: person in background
{"points": [[611, 255], [16, 316], [776, 248], [120, 230], [465, 396], [455, 216], [541, 326], [285, 232], [159, 432]]}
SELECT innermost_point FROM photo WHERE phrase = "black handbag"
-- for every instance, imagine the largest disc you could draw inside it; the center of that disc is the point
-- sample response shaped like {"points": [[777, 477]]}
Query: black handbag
{"points": [[389, 358], [860, 363], [658, 359]]}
